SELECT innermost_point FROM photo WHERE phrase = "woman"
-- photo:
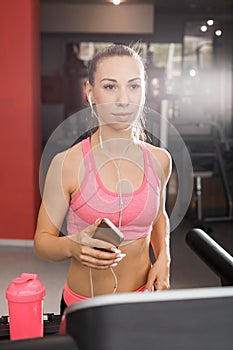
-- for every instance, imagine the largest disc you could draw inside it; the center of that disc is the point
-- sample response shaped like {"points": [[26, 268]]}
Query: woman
{"points": [[111, 174]]}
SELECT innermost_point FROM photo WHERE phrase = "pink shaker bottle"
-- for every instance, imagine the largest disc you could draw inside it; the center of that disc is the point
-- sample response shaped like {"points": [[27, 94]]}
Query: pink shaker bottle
{"points": [[25, 297]]}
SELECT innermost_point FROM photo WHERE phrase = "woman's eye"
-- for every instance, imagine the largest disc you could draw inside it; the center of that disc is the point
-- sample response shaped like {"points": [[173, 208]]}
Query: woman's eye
{"points": [[109, 87], [135, 86]]}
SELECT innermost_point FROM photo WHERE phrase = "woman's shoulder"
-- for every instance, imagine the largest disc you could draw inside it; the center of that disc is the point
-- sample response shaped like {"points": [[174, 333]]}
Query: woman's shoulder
{"points": [[68, 157], [158, 152], [68, 164], [161, 159]]}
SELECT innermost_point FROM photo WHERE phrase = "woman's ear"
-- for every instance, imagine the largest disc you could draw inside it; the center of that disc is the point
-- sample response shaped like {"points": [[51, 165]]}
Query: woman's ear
{"points": [[88, 90]]}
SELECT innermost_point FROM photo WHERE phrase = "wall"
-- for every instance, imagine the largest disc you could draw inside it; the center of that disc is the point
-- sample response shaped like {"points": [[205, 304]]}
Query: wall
{"points": [[97, 18], [20, 132]]}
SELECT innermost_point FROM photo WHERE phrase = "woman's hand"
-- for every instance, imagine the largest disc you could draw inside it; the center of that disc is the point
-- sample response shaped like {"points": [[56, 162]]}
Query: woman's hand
{"points": [[89, 250], [159, 274]]}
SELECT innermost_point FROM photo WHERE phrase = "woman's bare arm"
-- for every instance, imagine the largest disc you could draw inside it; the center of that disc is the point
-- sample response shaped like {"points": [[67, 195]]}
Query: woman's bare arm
{"points": [[160, 234], [61, 182], [47, 243]]}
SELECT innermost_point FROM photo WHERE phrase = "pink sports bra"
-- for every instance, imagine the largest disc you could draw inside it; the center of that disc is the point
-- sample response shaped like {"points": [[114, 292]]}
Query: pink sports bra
{"points": [[94, 200]]}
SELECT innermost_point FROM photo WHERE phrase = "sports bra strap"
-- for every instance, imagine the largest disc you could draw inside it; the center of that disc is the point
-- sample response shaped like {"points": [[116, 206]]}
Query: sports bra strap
{"points": [[87, 155], [150, 167]]}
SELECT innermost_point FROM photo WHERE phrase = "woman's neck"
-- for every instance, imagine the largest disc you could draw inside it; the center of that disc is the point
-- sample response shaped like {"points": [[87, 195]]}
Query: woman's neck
{"points": [[113, 142]]}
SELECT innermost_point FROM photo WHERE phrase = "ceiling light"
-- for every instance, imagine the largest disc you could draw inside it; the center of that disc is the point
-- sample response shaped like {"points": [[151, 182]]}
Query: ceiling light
{"points": [[116, 2], [203, 28], [210, 22], [218, 32], [192, 73]]}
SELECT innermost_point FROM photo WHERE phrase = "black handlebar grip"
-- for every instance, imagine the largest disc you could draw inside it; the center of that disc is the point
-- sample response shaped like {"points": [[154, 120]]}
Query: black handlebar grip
{"points": [[212, 254]]}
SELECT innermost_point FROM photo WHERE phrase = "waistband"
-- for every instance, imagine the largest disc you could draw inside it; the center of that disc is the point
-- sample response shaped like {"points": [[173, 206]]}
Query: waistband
{"points": [[71, 297]]}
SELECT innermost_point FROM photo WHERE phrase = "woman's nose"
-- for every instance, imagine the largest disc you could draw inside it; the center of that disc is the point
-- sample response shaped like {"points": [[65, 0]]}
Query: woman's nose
{"points": [[122, 98]]}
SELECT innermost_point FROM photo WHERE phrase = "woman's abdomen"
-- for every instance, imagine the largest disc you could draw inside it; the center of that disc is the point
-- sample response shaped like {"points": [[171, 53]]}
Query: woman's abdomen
{"points": [[131, 272]]}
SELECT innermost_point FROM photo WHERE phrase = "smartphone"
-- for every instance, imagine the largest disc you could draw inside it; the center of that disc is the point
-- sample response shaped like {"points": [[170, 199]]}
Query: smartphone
{"points": [[108, 232]]}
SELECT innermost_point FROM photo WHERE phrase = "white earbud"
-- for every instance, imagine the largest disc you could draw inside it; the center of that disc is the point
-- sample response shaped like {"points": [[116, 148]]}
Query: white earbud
{"points": [[89, 100], [101, 141], [100, 132]]}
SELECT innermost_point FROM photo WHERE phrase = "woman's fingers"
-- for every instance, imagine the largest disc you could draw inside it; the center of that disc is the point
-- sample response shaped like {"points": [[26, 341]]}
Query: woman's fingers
{"points": [[85, 238], [93, 252], [162, 285], [99, 259]]}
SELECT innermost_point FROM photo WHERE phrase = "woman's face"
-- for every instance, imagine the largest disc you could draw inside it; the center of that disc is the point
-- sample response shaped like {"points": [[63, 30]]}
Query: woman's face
{"points": [[119, 89]]}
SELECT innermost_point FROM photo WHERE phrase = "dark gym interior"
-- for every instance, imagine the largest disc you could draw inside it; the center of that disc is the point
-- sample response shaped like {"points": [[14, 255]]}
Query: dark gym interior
{"points": [[188, 50]]}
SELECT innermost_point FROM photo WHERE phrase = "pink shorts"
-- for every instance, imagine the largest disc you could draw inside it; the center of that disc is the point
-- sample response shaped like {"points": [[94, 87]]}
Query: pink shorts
{"points": [[71, 297]]}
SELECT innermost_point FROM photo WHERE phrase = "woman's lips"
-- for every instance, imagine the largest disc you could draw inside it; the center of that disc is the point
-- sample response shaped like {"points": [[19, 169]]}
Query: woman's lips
{"points": [[122, 116]]}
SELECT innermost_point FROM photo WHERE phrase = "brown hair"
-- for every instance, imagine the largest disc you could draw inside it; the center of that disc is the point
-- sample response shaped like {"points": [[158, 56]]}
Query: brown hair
{"points": [[111, 51]]}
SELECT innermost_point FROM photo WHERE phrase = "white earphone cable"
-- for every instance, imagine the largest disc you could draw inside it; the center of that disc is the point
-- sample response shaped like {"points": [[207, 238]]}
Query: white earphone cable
{"points": [[120, 196]]}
